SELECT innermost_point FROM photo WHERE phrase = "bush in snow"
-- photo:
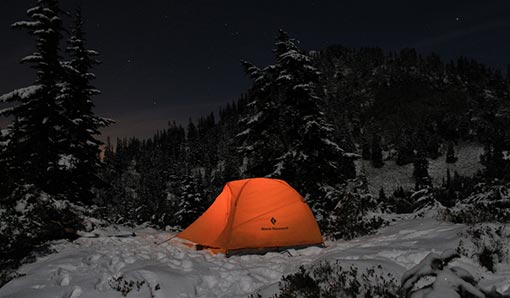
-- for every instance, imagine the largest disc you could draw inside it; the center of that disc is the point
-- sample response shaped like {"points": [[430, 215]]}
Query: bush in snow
{"points": [[410, 201], [29, 217], [126, 285], [486, 203], [353, 215], [7, 275], [399, 202], [440, 279], [487, 244], [332, 280]]}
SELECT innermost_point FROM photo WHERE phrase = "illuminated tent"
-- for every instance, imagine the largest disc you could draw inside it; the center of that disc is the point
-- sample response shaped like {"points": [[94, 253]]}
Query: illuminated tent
{"points": [[255, 216]]}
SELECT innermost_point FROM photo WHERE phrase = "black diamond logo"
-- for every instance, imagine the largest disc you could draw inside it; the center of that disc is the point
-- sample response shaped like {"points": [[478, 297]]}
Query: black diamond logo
{"points": [[273, 221]]}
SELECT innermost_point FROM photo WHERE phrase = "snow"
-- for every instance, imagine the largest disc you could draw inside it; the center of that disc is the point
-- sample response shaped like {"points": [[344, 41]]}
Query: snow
{"points": [[253, 119], [391, 176], [244, 132], [21, 93], [158, 267], [284, 77], [30, 58], [33, 9], [332, 144], [302, 86], [446, 281], [67, 161], [27, 24]]}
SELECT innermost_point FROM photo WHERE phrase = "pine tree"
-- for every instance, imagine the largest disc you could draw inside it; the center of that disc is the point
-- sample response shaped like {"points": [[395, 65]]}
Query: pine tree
{"points": [[450, 154], [420, 172], [493, 160], [32, 156], [377, 156], [260, 138], [382, 195], [108, 149], [493, 157], [448, 179], [193, 144], [189, 200], [286, 132], [313, 160], [78, 143], [405, 152], [126, 199], [366, 152], [508, 77]]}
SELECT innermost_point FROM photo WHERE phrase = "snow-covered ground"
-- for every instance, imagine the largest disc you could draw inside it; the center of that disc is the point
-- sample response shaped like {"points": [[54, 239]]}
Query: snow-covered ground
{"points": [[94, 267], [391, 176]]}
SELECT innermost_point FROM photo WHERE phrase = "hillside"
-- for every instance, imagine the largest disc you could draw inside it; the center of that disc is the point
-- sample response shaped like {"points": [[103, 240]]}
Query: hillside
{"points": [[391, 176]]}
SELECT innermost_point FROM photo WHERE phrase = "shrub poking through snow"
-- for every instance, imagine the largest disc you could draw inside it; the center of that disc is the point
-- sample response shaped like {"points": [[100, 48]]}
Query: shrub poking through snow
{"points": [[411, 202], [7, 275], [135, 285], [486, 203], [353, 215], [30, 217], [487, 244], [399, 202], [332, 280], [447, 281], [124, 286]]}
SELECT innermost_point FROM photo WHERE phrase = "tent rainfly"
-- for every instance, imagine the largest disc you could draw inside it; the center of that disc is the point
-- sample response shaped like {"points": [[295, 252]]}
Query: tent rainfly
{"points": [[255, 216]]}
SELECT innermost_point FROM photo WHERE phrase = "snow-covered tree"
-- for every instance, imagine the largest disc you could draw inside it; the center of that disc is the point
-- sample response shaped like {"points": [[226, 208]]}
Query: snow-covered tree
{"points": [[79, 147], [366, 152], [286, 132], [188, 199], [377, 156], [312, 159], [421, 172], [261, 138], [32, 153]]}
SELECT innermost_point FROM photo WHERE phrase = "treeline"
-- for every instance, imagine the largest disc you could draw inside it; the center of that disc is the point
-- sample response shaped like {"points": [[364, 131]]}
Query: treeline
{"points": [[278, 129], [303, 120]]}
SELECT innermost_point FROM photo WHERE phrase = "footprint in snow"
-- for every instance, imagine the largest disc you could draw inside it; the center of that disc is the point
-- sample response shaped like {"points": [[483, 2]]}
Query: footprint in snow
{"points": [[129, 259], [174, 264], [102, 284], [60, 277], [93, 259], [66, 279], [187, 265]]}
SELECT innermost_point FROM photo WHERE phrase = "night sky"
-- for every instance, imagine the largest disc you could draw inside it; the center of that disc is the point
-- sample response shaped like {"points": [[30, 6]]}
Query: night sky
{"points": [[169, 60]]}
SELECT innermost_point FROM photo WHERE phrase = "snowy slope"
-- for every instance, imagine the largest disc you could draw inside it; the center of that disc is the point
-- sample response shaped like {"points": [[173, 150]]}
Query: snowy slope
{"points": [[391, 176], [92, 267]]}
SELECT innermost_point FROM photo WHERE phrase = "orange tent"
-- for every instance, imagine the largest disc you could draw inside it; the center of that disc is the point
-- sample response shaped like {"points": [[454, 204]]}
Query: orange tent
{"points": [[255, 216]]}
